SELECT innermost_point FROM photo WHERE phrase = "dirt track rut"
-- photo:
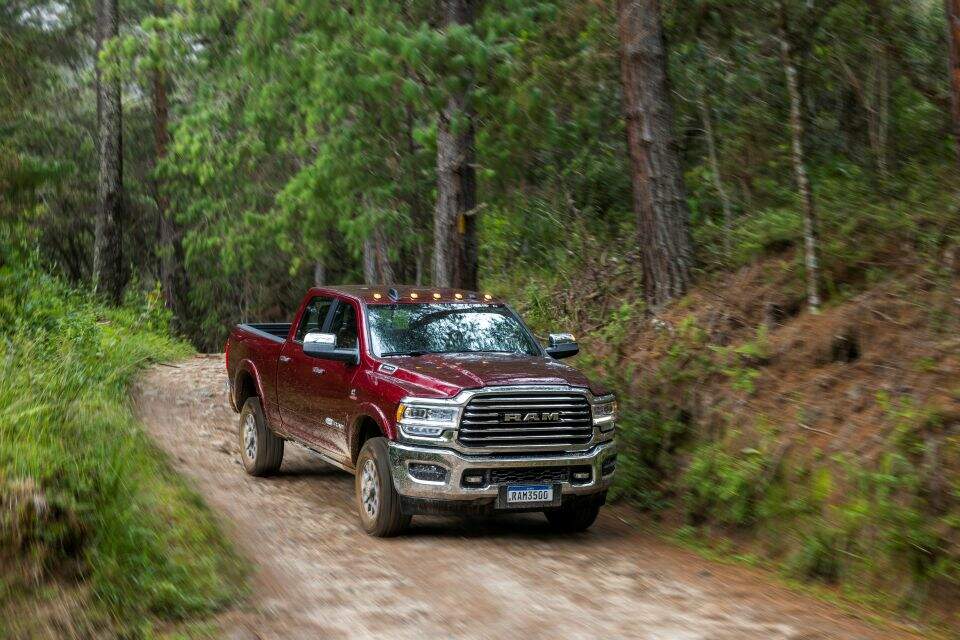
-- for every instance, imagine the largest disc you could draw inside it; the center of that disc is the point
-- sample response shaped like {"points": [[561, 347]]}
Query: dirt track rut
{"points": [[317, 575]]}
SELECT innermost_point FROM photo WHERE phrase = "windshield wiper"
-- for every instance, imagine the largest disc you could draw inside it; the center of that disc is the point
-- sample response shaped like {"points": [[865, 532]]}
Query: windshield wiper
{"points": [[404, 353], [491, 351]]}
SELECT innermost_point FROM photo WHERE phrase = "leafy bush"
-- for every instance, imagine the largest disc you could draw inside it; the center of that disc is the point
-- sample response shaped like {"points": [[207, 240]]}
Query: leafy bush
{"points": [[724, 488], [818, 557]]}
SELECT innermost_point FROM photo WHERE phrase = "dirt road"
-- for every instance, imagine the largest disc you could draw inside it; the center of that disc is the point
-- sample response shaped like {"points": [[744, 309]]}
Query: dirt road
{"points": [[317, 575]]}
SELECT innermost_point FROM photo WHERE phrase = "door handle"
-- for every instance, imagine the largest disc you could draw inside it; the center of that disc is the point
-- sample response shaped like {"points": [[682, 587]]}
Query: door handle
{"points": [[318, 371], [284, 359]]}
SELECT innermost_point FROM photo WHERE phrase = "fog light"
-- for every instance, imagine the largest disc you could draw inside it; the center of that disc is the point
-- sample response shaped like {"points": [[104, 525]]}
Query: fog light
{"points": [[427, 472], [474, 480], [609, 465], [581, 475]]}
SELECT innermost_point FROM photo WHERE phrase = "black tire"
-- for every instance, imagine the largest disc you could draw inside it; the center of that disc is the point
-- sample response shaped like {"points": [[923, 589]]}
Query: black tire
{"points": [[380, 515], [573, 517], [264, 456]]}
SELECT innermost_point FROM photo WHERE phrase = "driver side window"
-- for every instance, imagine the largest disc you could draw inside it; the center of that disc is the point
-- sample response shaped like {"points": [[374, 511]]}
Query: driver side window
{"points": [[344, 325], [313, 316]]}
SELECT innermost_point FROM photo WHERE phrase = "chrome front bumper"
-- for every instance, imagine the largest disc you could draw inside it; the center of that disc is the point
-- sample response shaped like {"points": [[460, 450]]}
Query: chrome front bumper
{"points": [[456, 464]]}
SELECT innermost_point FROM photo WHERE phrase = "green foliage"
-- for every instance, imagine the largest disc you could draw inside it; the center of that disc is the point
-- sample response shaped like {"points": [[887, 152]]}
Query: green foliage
{"points": [[725, 488], [83, 493], [818, 557], [649, 443]]}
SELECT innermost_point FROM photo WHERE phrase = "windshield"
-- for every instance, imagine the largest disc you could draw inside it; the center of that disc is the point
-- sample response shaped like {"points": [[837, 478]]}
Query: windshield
{"points": [[416, 329]]}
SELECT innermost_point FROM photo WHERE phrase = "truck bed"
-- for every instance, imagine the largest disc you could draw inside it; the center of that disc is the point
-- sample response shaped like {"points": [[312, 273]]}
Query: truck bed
{"points": [[274, 330], [255, 347]]}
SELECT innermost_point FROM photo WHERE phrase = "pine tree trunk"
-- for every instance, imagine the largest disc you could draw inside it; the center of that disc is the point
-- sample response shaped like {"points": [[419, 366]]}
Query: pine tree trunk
{"points": [[369, 261], [658, 189], [953, 41], [109, 274], [717, 177], [381, 251], [810, 237], [454, 225], [419, 266], [883, 113], [173, 274], [319, 273]]}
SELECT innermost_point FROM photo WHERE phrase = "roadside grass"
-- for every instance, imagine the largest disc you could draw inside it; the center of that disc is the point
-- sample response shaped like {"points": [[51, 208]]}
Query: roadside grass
{"points": [[98, 536], [871, 608]]}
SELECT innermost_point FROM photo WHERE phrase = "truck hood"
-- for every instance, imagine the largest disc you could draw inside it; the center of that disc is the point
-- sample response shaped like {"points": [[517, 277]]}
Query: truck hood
{"points": [[477, 370]]}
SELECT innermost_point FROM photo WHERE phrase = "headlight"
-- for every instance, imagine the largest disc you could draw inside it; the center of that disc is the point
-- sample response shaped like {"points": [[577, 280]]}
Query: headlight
{"points": [[605, 413], [424, 421], [428, 414]]}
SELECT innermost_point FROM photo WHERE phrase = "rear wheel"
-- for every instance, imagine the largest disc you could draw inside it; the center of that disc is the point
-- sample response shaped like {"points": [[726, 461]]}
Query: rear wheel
{"points": [[260, 450], [378, 503], [573, 517]]}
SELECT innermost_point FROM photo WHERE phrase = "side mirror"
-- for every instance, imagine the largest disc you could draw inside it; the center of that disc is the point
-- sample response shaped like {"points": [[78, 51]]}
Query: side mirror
{"points": [[562, 345], [324, 345]]}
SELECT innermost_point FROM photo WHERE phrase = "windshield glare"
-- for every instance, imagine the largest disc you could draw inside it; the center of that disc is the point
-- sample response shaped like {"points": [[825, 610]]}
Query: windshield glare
{"points": [[416, 329]]}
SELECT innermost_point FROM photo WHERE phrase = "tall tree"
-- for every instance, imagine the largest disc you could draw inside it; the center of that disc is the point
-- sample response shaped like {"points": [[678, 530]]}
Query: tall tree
{"points": [[798, 157], [953, 41], [796, 43], [109, 273], [376, 261], [658, 189], [707, 118], [173, 275], [455, 249]]}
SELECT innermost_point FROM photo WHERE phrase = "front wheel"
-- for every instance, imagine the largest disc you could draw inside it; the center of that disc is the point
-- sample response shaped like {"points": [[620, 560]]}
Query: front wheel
{"points": [[378, 503], [574, 517]]}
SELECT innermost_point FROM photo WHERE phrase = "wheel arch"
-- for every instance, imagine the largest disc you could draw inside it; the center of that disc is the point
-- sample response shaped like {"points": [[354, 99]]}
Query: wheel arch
{"points": [[246, 385], [367, 425]]}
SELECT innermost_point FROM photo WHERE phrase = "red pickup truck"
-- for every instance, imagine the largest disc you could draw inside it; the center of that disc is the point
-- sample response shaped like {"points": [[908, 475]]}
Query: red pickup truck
{"points": [[437, 400]]}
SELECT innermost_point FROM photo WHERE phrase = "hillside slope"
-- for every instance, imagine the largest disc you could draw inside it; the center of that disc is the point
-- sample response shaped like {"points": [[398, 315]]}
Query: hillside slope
{"points": [[827, 444]]}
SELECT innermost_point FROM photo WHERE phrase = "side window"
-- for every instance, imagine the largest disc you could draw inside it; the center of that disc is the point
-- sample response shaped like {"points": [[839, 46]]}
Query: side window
{"points": [[313, 316], [344, 325]]}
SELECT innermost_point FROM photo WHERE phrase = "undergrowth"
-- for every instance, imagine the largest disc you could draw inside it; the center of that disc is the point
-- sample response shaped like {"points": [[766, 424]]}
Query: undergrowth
{"points": [[88, 505]]}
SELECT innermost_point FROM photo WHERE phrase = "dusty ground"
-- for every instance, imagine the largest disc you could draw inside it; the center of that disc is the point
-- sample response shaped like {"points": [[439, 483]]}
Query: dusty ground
{"points": [[317, 575]]}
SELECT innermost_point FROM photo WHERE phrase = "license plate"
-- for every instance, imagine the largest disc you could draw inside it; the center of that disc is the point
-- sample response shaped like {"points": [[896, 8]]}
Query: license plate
{"points": [[524, 493]]}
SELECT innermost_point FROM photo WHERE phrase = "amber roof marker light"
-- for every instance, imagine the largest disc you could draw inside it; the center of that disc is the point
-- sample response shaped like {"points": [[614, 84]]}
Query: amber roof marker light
{"points": [[414, 296], [377, 296], [458, 296], [436, 296], [487, 296]]}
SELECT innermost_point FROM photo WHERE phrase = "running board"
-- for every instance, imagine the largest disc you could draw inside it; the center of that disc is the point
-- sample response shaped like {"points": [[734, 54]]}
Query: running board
{"points": [[323, 455]]}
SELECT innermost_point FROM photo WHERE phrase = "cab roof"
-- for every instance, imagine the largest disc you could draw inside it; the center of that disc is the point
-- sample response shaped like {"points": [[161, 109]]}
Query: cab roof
{"points": [[383, 294]]}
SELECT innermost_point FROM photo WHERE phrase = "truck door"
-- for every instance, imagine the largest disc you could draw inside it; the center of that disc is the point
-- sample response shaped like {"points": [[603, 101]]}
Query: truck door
{"points": [[332, 389], [298, 375]]}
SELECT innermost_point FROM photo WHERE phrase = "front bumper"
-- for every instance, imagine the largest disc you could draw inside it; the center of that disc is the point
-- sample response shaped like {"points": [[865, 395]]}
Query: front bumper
{"points": [[457, 465]]}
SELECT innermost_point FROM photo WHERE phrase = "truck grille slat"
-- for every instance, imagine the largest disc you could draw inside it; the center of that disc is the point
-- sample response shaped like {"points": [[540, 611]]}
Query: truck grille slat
{"points": [[546, 397], [496, 423], [527, 407], [500, 429], [527, 437], [535, 420]]}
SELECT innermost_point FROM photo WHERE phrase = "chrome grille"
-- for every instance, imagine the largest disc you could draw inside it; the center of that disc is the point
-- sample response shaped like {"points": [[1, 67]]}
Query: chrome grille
{"points": [[526, 420]]}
